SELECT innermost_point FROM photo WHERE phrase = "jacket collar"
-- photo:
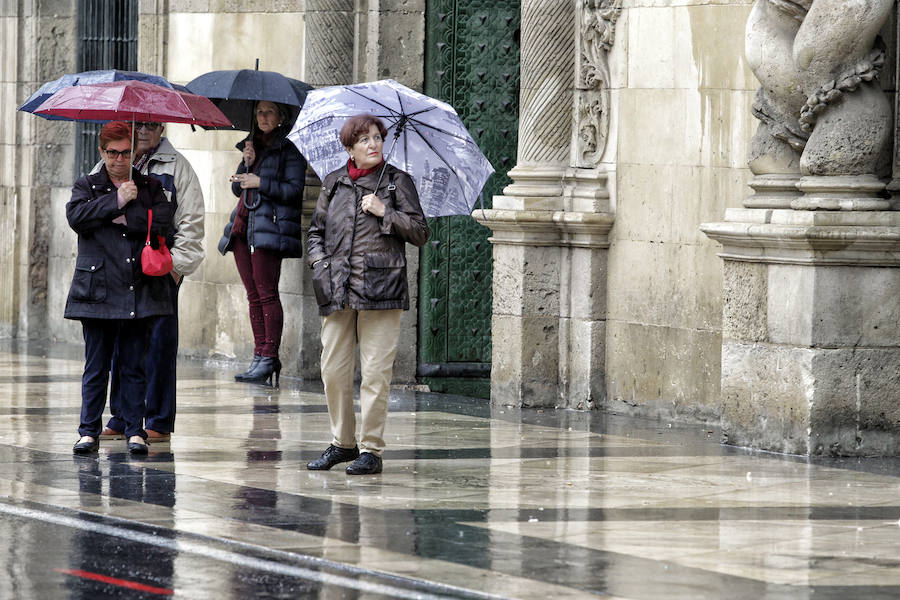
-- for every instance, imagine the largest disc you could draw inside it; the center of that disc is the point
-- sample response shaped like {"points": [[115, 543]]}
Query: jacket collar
{"points": [[165, 152], [99, 175]]}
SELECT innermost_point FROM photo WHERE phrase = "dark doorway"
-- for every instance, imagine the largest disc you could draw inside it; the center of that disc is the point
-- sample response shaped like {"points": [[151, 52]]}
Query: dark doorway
{"points": [[471, 62], [107, 39]]}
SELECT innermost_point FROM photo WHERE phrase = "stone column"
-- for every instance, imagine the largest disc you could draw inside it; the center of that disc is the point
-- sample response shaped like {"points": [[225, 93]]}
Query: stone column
{"points": [[550, 226], [330, 32], [331, 28], [811, 318]]}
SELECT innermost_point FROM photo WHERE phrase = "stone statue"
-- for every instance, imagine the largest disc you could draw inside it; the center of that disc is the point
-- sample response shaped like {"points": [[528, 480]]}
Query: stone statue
{"points": [[821, 109]]}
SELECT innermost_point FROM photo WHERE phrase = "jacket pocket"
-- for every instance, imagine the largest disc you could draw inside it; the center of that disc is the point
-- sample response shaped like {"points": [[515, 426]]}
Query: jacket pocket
{"points": [[385, 276], [89, 281], [322, 281]]}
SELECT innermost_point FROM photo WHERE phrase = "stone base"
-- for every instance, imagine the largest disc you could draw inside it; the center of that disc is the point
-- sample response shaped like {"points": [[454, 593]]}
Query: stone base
{"points": [[811, 401], [811, 331]]}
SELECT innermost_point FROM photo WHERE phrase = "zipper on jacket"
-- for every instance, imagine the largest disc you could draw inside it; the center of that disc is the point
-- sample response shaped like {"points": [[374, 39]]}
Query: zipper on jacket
{"points": [[357, 204]]}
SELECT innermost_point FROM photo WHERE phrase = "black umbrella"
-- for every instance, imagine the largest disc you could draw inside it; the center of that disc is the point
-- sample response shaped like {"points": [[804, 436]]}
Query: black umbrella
{"points": [[236, 93]]}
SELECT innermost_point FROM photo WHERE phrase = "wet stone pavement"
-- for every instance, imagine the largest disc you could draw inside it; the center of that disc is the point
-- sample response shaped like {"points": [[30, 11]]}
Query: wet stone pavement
{"points": [[475, 502]]}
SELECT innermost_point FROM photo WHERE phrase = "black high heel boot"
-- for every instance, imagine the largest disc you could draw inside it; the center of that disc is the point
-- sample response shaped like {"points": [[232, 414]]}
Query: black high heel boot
{"points": [[267, 368], [243, 376]]}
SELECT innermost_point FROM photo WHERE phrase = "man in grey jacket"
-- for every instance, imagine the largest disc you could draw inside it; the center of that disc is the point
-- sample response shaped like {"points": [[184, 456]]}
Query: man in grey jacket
{"points": [[155, 156]]}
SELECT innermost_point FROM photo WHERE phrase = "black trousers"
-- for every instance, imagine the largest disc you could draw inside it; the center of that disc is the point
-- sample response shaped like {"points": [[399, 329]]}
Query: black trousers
{"points": [[102, 338], [162, 356]]}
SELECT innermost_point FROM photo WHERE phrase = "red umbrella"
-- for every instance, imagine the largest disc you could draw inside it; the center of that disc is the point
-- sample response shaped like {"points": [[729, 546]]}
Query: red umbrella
{"points": [[132, 100]]}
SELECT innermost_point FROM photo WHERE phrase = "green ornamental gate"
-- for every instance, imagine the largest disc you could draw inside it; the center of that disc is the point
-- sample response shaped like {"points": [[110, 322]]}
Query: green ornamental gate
{"points": [[471, 62]]}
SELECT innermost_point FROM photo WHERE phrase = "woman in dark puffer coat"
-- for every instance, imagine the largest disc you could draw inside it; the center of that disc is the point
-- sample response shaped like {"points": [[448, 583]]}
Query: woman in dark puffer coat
{"points": [[264, 229]]}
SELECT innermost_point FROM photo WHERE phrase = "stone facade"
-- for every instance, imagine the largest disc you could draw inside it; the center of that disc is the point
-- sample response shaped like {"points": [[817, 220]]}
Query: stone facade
{"points": [[636, 128], [656, 145]]}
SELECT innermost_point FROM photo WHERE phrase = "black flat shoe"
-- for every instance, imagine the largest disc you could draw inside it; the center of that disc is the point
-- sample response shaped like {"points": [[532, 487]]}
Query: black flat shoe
{"points": [[366, 464], [266, 368], [86, 445], [253, 363], [332, 456], [137, 447]]}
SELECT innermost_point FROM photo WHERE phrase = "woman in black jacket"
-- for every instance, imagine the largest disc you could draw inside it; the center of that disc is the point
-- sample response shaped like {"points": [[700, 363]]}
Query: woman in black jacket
{"points": [[264, 229], [366, 213], [110, 295]]}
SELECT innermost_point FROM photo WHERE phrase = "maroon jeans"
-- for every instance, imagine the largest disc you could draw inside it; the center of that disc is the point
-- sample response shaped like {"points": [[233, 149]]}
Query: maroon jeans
{"points": [[260, 272]]}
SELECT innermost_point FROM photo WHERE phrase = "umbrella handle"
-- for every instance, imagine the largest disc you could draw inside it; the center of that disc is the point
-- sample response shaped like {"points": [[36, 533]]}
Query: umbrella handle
{"points": [[385, 158], [247, 205]]}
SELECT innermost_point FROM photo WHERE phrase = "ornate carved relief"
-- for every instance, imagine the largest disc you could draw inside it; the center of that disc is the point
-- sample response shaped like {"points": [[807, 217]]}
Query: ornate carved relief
{"points": [[596, 33]]}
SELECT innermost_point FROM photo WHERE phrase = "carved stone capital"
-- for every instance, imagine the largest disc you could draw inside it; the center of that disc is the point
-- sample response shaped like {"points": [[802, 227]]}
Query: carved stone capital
{"points": [[548, 187], [547, 228], [823, 238]]}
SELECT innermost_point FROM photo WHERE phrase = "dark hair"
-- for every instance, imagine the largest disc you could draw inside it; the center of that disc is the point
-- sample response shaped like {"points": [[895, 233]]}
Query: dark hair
{"points": [[114, 130], [358, 125]]}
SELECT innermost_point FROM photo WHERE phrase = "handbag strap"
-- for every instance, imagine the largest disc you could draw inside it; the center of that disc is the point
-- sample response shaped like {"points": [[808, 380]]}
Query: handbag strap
{"points": [[149, 223]]}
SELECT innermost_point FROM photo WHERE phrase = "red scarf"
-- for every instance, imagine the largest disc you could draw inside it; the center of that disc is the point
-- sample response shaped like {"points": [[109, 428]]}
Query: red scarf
{"points": [[357, 173]]}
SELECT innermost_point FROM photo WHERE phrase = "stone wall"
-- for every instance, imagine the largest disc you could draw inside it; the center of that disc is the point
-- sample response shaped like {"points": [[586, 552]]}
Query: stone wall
{"points": [[37, 42], [683, 93]]}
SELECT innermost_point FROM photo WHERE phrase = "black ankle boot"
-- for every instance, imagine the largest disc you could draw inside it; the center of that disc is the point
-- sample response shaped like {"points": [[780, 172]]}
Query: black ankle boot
{"points": [[264, 370], [243, 376]]}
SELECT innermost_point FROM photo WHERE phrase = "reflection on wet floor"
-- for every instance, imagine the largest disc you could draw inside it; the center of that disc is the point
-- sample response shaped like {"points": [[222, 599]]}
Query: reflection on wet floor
{"points": [[475, 501]]}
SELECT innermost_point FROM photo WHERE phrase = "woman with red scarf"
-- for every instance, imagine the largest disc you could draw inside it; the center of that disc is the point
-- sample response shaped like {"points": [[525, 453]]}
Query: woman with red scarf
{"points": [[364, 217], [264, 229]]}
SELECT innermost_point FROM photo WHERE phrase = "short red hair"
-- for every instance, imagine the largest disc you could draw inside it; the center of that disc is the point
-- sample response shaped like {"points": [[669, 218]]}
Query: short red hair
{"points": [[114, 130], [357, 126]]}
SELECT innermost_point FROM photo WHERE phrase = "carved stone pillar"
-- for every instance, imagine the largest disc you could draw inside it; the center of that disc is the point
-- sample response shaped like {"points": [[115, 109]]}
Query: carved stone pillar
{"points": [[551, 225], [811, 318], [547, 80], [330, 30]]}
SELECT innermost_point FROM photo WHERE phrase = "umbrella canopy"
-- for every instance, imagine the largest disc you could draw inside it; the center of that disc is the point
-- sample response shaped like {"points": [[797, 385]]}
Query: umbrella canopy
{"points": [[237, 92], [86, 78], [429, 142], [131, 100]]}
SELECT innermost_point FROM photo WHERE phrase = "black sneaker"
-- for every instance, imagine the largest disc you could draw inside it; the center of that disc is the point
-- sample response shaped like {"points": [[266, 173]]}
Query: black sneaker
{"points": [[366, 464], [332, 456]]}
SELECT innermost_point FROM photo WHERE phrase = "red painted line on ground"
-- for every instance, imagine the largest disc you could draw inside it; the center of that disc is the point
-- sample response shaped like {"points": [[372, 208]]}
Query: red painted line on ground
{"points": [[132, 585]]}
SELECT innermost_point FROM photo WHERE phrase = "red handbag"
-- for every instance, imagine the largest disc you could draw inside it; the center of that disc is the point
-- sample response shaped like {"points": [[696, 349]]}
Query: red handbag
{"points": [[155, 263]]}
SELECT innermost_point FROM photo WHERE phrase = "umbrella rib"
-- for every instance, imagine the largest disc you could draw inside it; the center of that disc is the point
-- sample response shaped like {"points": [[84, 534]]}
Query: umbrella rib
{"points": [[457, 136], [381, 104]]}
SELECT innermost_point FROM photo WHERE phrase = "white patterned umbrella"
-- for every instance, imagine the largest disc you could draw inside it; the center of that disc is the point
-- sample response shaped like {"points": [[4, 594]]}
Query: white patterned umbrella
{"points": [[426, 138]]}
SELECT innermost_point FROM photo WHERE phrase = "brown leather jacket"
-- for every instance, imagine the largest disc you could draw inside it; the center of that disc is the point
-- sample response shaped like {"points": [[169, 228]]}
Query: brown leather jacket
{"points": [[358, 259]]}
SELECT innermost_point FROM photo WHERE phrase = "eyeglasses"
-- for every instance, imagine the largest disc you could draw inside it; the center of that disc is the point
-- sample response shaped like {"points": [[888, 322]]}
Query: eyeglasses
{"points": [[115, 154], [148, 125]]}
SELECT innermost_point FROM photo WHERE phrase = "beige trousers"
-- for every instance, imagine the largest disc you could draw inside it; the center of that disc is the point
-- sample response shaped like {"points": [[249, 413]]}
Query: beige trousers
{"points": [[376, 332]]}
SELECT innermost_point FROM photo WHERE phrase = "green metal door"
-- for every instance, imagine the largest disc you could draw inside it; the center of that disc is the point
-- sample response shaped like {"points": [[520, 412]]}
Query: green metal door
{"points": [[471, 62]]}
